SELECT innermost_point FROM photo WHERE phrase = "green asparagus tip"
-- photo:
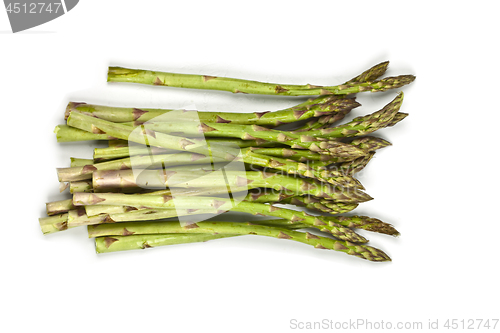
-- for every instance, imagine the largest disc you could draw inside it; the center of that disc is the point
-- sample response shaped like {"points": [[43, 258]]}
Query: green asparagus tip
{"points": [[397, 118], [375, 225], [376, 71]]}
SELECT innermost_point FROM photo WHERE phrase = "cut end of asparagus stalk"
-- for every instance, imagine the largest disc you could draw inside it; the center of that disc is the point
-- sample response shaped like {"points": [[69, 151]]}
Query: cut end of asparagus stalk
{"points": [[54, 223], [120, 72]]}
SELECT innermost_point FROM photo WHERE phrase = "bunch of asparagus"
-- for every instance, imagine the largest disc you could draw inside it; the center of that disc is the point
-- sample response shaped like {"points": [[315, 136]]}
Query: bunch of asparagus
{"points": [[169, 176]]}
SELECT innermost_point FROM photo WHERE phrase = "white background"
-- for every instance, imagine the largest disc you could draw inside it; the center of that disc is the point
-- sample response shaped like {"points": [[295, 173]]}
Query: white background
{"points": [[437, 183]]}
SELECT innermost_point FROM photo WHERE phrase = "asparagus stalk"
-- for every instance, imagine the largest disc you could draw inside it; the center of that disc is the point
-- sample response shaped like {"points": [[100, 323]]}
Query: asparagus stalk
{"points": [[158, 161], [299, 155], [107, 209], [112, 153], [67, 133], [105, 244], [236, 181], [119, 74], [311, 108], [135, 242], [112, 214], [322, 104], [216, 205], [254, 132], [102, 154], [231, 228], [147, 137]]}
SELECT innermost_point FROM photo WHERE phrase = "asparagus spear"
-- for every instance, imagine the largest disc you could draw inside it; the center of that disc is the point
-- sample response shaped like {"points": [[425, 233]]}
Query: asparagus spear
{"points": [[102, 154], [122, 243], [91, 211], [65, 133], [254, 132], [236, 181], [216, 205], [255, 195], [311, 108], [323, 104], [119, 74], [114, 230], [299, 155], [147, 137], [152, 240], [164, 160]]}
